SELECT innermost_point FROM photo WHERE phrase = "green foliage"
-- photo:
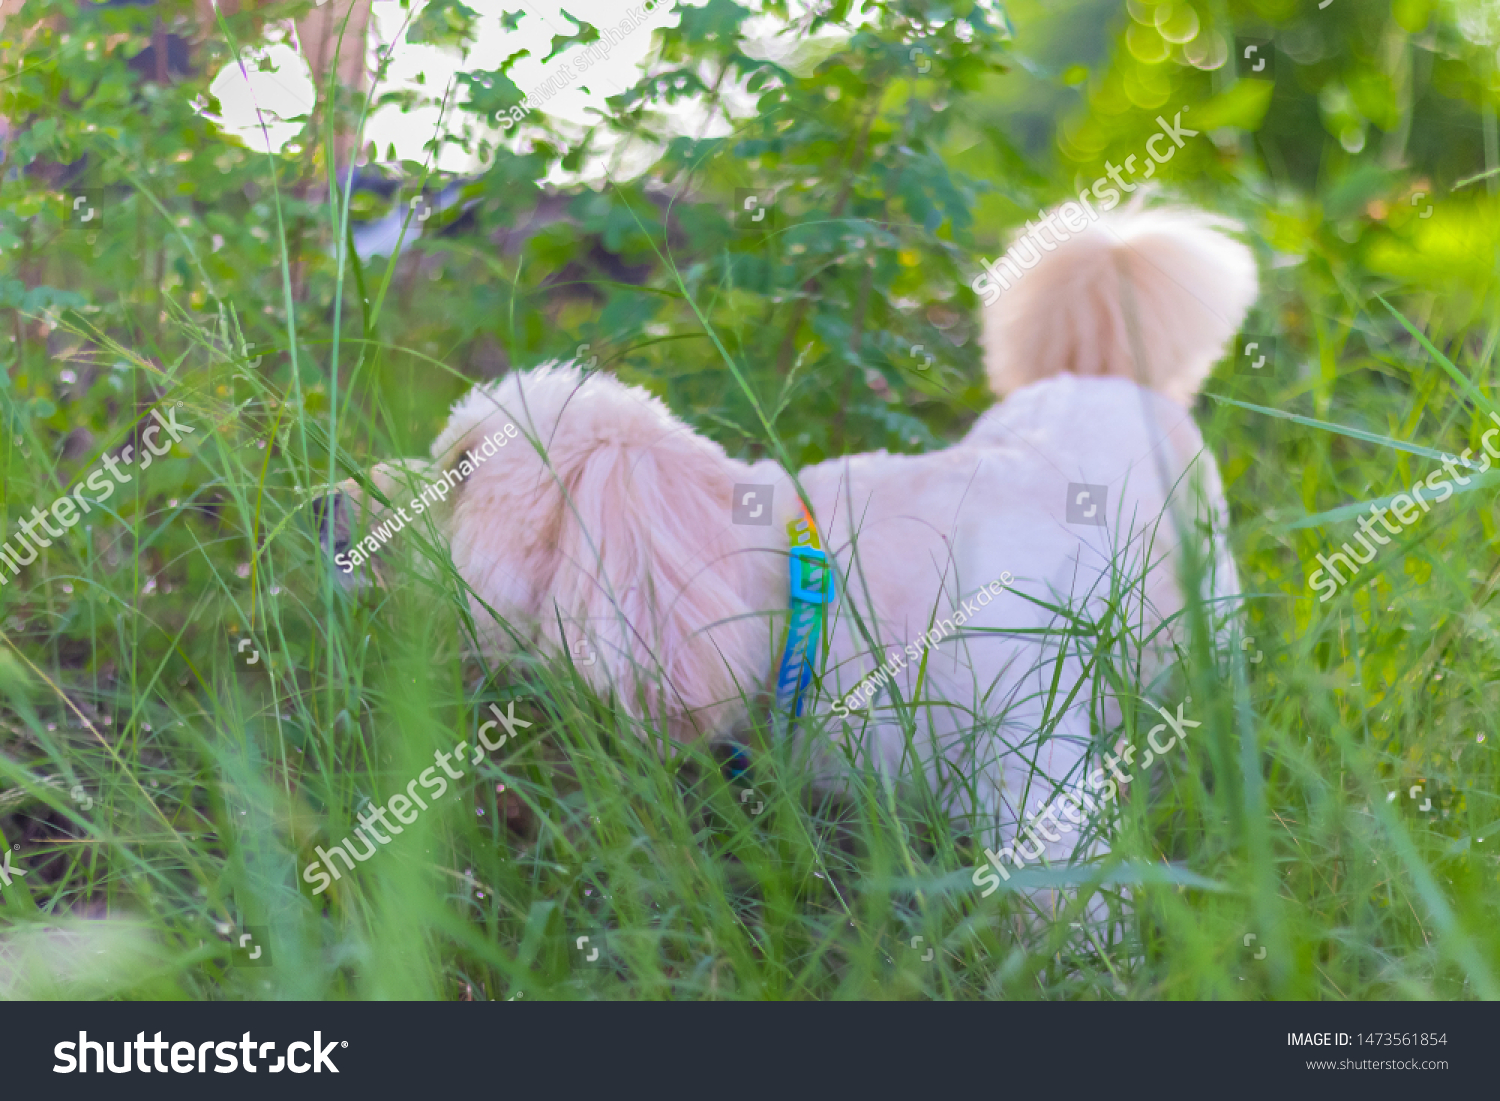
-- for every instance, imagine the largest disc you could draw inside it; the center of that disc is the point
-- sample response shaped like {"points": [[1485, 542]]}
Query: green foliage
{"points": [[898, 153]]}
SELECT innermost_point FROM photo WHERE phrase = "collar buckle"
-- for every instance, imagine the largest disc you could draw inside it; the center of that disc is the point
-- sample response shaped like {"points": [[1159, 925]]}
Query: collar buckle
{"points": [[815, 560]]}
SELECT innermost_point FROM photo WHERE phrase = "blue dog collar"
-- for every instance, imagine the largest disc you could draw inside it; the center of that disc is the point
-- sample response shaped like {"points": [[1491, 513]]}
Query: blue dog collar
{"points": [[812, 590]]}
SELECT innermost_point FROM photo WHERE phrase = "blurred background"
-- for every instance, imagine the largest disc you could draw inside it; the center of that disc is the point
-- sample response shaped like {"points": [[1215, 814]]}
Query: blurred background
{"points": [[314, 226]]}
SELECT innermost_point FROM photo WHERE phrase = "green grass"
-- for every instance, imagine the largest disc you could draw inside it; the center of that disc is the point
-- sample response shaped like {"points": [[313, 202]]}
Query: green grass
{"points": [[206, 784], [211, 784]]}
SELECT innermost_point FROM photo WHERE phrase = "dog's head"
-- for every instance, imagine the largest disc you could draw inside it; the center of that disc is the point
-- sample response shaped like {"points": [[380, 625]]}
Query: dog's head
{"points": [[589, 522], [358, 520]]}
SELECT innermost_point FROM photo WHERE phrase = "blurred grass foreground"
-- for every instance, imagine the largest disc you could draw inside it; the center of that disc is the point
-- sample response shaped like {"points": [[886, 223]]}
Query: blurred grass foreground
{"points": [[431, 195]]}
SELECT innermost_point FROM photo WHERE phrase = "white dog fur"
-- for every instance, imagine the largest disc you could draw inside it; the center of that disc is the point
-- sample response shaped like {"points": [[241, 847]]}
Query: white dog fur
{"points": [[610, 519]]}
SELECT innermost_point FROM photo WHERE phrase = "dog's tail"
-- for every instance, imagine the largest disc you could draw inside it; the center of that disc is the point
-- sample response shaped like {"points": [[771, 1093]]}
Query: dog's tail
{"points": [[1151, 295]]}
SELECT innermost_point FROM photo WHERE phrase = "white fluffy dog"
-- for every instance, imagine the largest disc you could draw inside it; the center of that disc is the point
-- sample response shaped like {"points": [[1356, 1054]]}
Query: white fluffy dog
{"points": [[607, 527]]}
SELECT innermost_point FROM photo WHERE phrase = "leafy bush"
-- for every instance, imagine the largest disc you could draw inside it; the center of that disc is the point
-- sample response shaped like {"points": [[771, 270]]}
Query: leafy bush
{"points": [[154, 770]]}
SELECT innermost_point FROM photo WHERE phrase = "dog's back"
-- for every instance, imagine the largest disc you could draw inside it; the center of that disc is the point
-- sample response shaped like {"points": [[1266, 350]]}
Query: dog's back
{"points": [[609, 522], [1088, 488]]}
